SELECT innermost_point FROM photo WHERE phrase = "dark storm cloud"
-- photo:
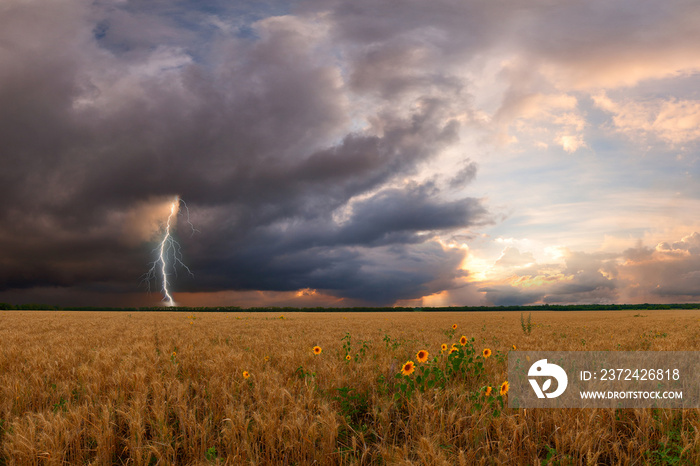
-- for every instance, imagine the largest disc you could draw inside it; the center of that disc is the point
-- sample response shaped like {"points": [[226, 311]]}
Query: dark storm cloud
{"points": [[380, 274], [380, 252], [507, 295], [107, 107], [395, 213]]}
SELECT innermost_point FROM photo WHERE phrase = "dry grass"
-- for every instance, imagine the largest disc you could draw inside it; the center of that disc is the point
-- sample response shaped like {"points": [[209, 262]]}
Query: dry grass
{"points": [[168, 388]]}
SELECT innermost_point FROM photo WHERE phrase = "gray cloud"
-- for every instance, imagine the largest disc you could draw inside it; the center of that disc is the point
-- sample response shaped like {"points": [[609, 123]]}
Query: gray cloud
{"points": [[584, 278], [255, 134], [591, 278], [667, 273], [464, 175], [670, 271], [507, 295]]}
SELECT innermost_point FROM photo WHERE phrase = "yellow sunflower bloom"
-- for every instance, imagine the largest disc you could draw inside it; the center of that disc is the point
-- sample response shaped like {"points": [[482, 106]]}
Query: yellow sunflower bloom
{"points": [[443, 347], [486, 353], [347, 357], [453, 349], [504, 387], [246, 375], [514, 348], [317, 350], [454, 326], [422, 356], [463, 340], [408, 368], [488, 391]]}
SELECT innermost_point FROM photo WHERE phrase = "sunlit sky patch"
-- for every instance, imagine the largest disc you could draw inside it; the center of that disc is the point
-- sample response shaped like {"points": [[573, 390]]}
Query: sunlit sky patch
{"points": [[352, 153]]}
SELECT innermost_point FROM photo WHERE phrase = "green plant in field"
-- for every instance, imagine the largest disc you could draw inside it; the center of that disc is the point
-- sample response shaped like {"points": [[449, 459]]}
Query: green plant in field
{"points": [[648, 338], [526, 326], [382, 385], [356, 409], [551, 458], [354, 405], [211, 454], [303, 374], [671, 451], [500, 357], [390, 343], [450, 334], [347, 348], [62, 405], [406, 384], [490, 397], [430, 374], [462, 363]]}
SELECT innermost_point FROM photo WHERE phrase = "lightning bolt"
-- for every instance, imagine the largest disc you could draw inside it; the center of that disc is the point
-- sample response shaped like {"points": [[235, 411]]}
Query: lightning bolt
{"points": [[169, 252]]}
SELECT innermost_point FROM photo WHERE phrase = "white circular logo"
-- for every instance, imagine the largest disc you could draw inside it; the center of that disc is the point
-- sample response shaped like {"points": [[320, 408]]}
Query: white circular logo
{"points": [[543, 369]]}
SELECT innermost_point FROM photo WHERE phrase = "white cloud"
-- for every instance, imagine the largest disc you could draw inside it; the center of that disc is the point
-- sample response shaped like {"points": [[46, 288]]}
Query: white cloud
{"points": [[571, 142], [675, 121]]}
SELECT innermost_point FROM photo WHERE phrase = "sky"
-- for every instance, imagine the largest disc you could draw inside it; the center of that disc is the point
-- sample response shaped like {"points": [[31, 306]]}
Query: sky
{"points": [[370, 152]]}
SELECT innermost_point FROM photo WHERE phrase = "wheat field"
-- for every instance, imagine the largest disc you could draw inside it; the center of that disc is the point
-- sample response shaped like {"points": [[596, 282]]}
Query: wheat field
{"points": [[148, 388]]}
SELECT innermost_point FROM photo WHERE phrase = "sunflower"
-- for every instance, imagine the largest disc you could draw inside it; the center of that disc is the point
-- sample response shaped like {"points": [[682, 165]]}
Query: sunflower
{"points": [[488, 391], [453, 349], [463, 340], [422, 356], [443, 347], [347, 357], [317, 350], [408, 368], [454, 326], [267, 358], [246, 375], [486, 353], [504, 387], [514, 348]]}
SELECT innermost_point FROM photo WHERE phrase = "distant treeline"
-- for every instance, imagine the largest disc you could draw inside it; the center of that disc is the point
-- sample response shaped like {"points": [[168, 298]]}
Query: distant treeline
{"points": [[536, 307]]}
